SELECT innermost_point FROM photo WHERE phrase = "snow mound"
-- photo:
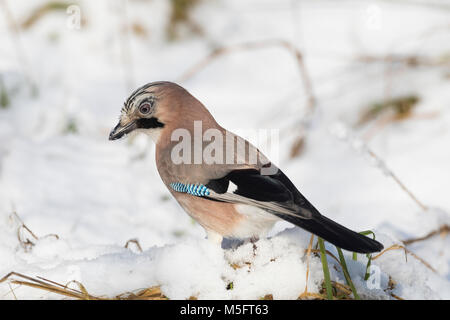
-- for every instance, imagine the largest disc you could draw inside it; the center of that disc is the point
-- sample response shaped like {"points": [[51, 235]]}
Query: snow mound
{"points": [[275, 266]]}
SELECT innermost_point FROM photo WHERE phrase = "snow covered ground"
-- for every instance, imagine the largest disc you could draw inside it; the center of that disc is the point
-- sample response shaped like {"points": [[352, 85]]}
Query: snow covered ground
{"points": [[62, 176]]}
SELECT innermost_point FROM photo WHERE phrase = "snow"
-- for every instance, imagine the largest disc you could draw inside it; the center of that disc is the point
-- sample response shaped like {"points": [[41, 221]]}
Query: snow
{"points": [[62, 176]]}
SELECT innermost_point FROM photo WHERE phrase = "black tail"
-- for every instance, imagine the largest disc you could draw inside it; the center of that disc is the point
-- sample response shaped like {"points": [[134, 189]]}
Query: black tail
{"points": [[336, 234]]}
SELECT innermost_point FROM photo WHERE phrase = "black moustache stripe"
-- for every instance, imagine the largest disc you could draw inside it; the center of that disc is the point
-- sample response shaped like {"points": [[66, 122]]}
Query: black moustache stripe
{"points": [[149, 123]]}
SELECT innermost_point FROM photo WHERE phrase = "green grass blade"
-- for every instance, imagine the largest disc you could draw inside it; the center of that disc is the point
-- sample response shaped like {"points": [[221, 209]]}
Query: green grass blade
{"points": [[348, 279], [367, 275], [367, 232], [369, 256], [326, 272]]}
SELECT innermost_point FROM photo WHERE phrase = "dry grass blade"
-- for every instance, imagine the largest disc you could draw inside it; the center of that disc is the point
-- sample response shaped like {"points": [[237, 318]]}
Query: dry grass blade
{"points": [[442, 231], [24, 226], [12, 291], [53, 289], [396, 297], [342, 287], [297, 146], [340, 291], [54, 235], [152, 293], [86, 295], [308, 258], [397, 246], [235, 266], [310, 296], [43, 10], [327, 252], [24, 241], [393, 247], [391, 286], [49, 286], [402, 108], [136, 242]]}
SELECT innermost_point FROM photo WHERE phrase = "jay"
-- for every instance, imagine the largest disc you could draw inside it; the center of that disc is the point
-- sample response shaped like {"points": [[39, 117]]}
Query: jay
{"points": [[235, 192]]}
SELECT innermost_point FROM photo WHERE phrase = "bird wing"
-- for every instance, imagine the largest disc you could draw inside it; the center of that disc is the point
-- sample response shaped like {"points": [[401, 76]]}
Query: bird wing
{"points": [[274, 193]]}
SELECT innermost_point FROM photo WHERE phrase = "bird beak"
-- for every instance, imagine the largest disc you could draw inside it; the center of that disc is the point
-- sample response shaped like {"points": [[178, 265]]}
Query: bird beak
{"points": [[120, 130]]}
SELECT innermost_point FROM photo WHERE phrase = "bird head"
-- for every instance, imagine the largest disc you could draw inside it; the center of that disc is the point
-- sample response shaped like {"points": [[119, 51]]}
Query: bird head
{"points": [[157, 107], [143, 111]]}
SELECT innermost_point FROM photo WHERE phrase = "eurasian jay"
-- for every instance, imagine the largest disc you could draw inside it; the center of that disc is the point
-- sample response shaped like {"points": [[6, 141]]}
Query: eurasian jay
{"points": [[235, 192]]}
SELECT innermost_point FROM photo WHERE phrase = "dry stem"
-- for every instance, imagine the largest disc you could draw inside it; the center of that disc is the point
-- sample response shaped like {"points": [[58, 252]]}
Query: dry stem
{"points": [[399, 182]]}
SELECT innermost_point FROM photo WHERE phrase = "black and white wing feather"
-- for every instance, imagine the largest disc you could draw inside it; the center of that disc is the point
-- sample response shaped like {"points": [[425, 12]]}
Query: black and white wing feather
{"points": [[272, 193]]}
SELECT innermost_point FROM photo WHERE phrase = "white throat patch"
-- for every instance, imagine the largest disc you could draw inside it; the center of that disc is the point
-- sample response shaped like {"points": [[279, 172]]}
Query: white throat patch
{"points": [[154, 134]]}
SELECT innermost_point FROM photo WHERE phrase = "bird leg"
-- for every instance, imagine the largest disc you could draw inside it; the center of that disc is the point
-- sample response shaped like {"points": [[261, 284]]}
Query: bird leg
{"points": [[253, 241]]}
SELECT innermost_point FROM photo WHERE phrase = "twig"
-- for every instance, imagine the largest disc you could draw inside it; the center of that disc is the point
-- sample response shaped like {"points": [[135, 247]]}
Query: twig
{"points": [[218, 52], [398, 181]]}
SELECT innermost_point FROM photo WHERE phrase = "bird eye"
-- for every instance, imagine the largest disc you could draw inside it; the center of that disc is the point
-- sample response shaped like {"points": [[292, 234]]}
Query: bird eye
{"points": [[145, 108]]}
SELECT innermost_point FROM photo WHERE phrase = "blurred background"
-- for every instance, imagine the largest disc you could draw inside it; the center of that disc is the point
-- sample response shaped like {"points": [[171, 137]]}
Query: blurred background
{"points": [[359, 91]]}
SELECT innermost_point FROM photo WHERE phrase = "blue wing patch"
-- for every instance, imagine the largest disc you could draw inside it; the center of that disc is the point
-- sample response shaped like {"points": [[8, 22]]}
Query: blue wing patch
{"points": [[198, 190]]}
